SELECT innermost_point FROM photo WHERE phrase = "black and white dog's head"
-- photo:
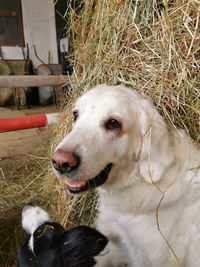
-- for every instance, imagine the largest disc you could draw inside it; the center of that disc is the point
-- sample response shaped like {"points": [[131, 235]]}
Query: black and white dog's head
{"points": [[49, 245]]}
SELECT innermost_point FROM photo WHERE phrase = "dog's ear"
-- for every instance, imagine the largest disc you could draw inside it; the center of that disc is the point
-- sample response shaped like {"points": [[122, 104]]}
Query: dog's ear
{"points": [[80, 245], [86, 239], [156, 153]]}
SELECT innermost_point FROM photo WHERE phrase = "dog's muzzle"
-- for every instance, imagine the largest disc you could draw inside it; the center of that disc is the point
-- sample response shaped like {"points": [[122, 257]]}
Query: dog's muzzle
{"points": [[77, 186], [66, 165]]}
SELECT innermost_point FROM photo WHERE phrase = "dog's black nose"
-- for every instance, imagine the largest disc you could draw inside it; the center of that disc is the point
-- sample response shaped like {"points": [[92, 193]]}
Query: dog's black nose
{"points": [[65, 161]]}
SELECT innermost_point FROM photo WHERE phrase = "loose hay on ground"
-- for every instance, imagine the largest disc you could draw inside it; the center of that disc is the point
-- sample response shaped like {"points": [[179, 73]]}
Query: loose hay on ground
{"points": [[33, 182], [152, 46]]}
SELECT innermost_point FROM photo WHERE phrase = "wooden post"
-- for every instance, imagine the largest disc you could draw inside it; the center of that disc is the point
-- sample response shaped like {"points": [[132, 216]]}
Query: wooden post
{"points": [[32, 80]]}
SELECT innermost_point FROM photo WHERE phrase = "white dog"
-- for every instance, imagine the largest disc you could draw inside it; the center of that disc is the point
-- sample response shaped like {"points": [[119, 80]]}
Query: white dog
{"points": [[148, 178]]}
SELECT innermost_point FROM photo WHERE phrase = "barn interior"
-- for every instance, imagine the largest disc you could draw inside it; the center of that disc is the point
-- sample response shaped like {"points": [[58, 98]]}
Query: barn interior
{"points": [[59, 50]]}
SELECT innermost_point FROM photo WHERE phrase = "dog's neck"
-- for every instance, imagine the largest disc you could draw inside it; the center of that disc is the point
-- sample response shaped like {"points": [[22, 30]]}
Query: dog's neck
{"points": [[126, 189], [131, 194]]}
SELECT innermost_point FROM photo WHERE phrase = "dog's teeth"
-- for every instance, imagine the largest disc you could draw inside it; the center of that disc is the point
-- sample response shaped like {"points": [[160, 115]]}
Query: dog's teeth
{"points": [[75, 183]]}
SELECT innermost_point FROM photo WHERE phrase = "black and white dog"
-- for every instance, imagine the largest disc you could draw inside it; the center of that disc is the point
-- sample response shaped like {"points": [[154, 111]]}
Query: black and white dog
{"points": [[49, 245]]}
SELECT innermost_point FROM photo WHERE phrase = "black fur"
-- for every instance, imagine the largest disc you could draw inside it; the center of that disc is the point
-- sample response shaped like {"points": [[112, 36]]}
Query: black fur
{"points": [[56, 247]]}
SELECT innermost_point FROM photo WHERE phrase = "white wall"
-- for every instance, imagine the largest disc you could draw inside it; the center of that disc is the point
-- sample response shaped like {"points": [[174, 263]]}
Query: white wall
{"points": [[39, 30]]}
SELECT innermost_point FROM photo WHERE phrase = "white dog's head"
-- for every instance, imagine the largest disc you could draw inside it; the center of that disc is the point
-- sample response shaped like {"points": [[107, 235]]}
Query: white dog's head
{"points": [[114, 129]]}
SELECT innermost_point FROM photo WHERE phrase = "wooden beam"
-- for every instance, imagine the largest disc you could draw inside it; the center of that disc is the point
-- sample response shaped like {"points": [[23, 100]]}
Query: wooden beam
{"points": [[32, 80]]}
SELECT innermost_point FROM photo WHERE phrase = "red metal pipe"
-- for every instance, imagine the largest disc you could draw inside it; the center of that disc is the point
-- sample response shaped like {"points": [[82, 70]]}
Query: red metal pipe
{"points": [[26, 122]]}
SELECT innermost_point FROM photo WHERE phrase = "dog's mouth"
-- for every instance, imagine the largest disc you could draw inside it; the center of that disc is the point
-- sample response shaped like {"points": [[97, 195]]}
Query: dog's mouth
{"points": [[78, 186]]}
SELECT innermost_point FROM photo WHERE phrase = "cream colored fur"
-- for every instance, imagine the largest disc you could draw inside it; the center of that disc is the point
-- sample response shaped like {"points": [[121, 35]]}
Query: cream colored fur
{"points": [[149, 207]]}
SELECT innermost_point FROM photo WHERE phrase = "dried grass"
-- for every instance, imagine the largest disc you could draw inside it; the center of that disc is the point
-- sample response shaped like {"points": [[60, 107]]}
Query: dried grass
{"points": [[33, 182], [152, 46]]}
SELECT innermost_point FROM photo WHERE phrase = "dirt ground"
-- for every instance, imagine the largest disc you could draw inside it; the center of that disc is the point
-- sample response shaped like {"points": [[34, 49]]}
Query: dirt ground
{"points": [[13, 145], [18, 148]]}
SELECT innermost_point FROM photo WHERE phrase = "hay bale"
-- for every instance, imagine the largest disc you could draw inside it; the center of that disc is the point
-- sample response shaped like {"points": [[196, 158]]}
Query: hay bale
{"points": [[152, 46]]}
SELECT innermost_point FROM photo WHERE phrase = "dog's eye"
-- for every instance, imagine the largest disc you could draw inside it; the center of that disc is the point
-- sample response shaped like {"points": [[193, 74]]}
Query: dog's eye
{"points": [[75, 115], [113, 124]]}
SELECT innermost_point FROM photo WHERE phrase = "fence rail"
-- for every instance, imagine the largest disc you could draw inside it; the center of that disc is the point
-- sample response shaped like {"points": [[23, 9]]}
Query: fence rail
{"points": [[32, 80]]}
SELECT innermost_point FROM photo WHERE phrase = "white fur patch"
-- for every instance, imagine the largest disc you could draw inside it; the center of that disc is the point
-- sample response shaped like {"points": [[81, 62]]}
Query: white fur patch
{"points": [[32, 218]]}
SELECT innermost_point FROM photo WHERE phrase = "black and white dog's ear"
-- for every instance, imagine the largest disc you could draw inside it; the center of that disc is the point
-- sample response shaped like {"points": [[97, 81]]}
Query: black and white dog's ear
{"points": [[81, 244], [92, 239]]}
